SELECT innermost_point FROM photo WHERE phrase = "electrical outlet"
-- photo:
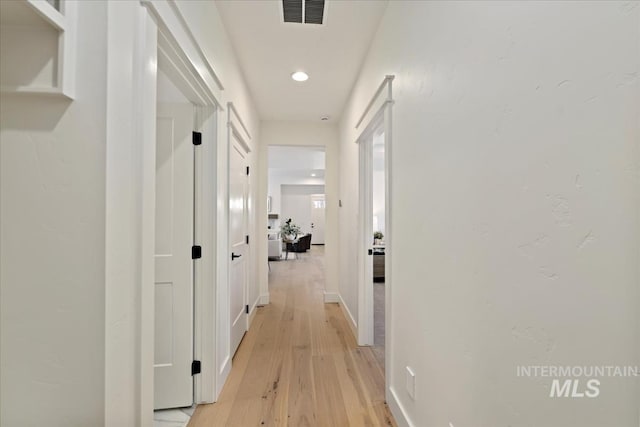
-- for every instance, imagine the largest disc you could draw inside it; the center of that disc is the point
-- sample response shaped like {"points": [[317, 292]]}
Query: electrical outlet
{"points": [[411, 383]]}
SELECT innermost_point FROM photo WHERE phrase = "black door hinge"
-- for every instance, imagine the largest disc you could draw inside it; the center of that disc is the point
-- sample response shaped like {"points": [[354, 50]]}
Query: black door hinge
{"points": [[196, 252], [370, 251], [246, 307], [246, 238], [196, 138], [196, 367], [247, 170]]}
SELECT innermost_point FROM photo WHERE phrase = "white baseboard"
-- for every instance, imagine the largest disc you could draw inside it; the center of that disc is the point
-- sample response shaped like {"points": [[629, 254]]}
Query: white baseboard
{"points": [[252, 310], [225, 370], [397, 410], [350, 319], [331, 297], [263, 299]]}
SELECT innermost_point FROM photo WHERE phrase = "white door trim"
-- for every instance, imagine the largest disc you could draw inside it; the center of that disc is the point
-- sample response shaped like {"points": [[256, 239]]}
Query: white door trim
{"points": [[147, 93], [372, 119], [205, 270]]}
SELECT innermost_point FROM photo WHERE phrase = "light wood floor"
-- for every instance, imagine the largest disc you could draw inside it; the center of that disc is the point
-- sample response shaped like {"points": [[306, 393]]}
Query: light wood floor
{"points": [[299, 364]]}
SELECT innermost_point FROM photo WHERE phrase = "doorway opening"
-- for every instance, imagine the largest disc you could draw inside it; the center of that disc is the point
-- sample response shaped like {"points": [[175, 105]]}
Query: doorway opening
{"points": [[296, 203], [374, 238], [378, 231], [185, 255]]}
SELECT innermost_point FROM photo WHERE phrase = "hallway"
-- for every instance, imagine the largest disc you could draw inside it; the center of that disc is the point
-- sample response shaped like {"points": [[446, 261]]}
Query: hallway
{"points": [[140, 202], [299, 364]]}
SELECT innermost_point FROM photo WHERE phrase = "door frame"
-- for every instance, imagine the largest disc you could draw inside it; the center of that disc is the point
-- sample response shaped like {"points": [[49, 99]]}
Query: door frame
{"points": [[371, 120], [165, 34], [237, 128], [365, 225]]}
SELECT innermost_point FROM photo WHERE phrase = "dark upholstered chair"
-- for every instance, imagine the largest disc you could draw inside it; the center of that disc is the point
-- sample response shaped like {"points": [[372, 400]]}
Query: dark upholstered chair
{"points": [[303, 244]]}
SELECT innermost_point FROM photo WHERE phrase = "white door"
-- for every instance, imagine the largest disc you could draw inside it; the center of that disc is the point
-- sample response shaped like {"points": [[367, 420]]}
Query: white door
{"points": [[317, 219], [238, 190], [173, 264]]}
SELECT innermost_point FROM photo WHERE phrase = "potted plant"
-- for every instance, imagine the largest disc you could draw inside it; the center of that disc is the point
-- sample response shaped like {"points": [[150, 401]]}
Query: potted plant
{"points": [[377, 237], [290, 230]]}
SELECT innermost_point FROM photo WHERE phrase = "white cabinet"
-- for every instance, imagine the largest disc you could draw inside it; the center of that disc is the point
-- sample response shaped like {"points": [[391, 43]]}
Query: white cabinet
{"points": [[37, 47], [275, 241], [275, 245]]}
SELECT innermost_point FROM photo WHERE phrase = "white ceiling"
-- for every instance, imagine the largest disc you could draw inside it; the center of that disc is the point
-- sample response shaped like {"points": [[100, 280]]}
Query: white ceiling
{"points": [[269, 50]]}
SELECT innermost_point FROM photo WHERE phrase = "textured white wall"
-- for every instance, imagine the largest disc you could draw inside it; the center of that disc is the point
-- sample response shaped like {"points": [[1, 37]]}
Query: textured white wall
{"points": [[515, 205], [52, 245]]}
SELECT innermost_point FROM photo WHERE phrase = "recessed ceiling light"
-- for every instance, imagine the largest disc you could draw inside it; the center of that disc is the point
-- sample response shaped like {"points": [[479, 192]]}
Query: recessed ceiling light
{"points": [[313, 174], [300, 76]]}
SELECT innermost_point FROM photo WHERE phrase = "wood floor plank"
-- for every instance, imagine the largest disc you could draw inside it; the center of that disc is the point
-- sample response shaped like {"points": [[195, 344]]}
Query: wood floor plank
{"points": [[299, 364], [330, 402]]}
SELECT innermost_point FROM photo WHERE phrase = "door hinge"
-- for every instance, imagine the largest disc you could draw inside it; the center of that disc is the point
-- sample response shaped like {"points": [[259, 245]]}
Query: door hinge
{"points": [[246, 238], [196, 367], [196, 252], [247, 170], [370, 251], [246, 307], [196, 138]]}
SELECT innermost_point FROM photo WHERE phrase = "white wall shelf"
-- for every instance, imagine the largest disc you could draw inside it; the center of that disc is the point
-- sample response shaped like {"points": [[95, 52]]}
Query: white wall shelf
{"points": [[37, 47]]}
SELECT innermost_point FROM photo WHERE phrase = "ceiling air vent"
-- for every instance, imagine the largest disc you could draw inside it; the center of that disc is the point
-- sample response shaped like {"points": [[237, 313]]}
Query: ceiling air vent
{"points": [[292, 10], [303, 11], [313, 11]]}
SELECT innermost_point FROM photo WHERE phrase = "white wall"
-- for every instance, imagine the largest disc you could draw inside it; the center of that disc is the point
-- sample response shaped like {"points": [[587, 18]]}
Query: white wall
{"points": [[275, 188], [296, 204], [52, 245], [516, 233], [167, 90], [310, 134]]}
